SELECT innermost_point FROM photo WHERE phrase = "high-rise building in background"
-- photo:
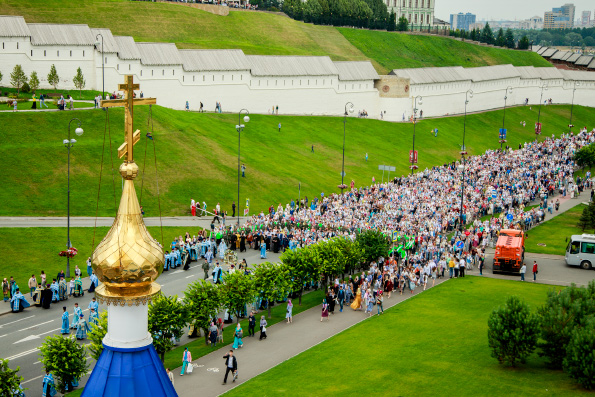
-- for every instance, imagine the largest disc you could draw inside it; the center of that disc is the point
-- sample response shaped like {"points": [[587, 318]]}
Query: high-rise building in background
{"points": [[419, 13], [586, 18], [461, 21], [559, 18]]}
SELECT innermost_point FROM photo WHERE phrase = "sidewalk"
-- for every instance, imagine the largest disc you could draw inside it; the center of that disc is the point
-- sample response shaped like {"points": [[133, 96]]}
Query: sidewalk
{"points": [[79, 221], [284, 341]]}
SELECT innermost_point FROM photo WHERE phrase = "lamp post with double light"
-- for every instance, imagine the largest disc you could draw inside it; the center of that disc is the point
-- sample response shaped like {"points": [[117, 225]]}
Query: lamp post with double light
{"points": [[503, 131], [348, 109], [69, 143], [538, 124], [468, 95], [412, 157], [239, 129], [574, 86]]}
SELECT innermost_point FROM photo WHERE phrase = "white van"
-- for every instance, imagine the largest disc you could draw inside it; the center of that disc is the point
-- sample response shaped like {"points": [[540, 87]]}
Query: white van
{"points": [[581, 251]]}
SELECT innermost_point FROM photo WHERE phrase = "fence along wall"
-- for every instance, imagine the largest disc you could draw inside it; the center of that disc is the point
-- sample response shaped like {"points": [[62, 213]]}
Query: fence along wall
{"points": [[300, 85]]}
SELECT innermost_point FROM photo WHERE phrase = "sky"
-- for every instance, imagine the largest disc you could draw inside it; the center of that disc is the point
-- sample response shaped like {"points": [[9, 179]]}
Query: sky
{"points": [[506, 9]]}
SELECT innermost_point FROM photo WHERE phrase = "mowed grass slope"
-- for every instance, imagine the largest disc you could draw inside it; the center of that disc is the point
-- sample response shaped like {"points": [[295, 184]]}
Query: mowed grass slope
{"points": [[262, 33], [197, 156], [397, 51], [433, 344], [556, 232]]}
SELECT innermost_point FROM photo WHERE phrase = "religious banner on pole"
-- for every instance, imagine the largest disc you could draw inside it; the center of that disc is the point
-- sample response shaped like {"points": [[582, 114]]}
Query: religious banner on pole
{"points": [[413, 156], [538, 128], [502, 133]]}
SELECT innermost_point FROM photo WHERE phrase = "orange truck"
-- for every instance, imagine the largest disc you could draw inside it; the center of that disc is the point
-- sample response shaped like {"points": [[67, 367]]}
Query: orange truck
{"points": [[510, 251]]}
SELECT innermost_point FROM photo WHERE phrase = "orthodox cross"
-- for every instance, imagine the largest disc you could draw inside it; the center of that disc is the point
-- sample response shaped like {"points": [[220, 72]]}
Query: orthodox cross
{"points": [[128, 103]]}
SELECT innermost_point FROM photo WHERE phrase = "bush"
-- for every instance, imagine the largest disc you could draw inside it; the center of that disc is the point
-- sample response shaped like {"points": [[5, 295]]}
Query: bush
{"points": [[374, 244], [65, 358], [579, 362], [512, 332], [96, 336], [25, 88], [10, 381]]}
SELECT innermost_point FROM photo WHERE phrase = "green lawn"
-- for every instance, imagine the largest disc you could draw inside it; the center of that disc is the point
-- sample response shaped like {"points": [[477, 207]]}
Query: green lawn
{"points": [[433, 344], [555, 233], [396, 51], [197, 156], [28, 251], [273, 35]]}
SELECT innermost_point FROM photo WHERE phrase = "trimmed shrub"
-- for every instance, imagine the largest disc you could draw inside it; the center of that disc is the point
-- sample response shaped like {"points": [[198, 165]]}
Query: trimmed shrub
{"points": [[579, 362]]}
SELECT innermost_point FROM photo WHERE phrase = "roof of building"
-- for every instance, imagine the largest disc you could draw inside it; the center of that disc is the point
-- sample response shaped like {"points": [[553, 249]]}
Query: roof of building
{"points": [[127, 49], [549, 52], [12, 26], [535, 48], [542, 50], [213, 60], [56, 34], [109, 44], [592, 64], [265, 65], [159, 54], [546, 73], [584, 60], [432, 75], [573, 58], [352, 71], [578, 75], [495, 72], [566, 56], [558, 55]]}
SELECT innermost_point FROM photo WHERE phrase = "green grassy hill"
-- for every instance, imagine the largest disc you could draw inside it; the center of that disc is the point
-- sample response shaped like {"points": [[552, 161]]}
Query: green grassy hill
{"points": [[263, 33], [197, 155]]}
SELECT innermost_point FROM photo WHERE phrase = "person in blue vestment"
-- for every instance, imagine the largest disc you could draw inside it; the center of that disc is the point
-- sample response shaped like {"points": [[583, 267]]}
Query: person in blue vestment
{"points": [[237, 337], [55, 291], [263, 251], [13, 287], [76, 314], [94, 282], [166, 262], [78, 287], [178, 258], [65, 322], [93, 318], [49, 387], [222, 249], [18, 302], [89, 267], [62, 289], [82, 328], [94, 305]]}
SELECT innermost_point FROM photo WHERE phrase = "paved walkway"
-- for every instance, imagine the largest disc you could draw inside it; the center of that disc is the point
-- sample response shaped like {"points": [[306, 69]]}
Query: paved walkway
{"points": [[284, 341]]}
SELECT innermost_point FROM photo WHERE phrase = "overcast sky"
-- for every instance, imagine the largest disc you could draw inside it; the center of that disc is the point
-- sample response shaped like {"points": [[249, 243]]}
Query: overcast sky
{"points": [[506, 9]]}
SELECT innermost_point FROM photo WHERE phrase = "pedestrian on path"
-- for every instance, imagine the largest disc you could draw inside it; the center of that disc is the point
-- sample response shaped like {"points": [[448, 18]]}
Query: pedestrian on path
{"points": [[251, 324], [48, 385], [186, 360], [288, 312], [263, 328], [324, 310], [237, 337], [65, 322], [523, 270], [170, 375], [534, 271], [82, 328], [231, 365], [32, 284]]}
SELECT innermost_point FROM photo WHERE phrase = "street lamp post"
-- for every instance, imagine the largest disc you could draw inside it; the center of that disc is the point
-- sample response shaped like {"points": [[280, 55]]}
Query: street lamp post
{"points": [[502, 138], [348, 109], [239, 129], [468, 94], [68, 143], [576, 84], [102, 66], [412, 159], [538, 126]]}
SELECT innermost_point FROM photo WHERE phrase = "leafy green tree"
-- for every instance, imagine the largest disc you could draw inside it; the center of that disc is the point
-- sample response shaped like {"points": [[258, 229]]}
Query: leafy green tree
{"points": [[96, 336], [53, 78], [585, 156], [500, 40], [203, 300], [332, 261], [64, 358], [512, 331], [352, 254], [34, 81], [167, 319], [374, 244], [487, 36], [79, 81], [402, 25], [304, 267], [509, 38], [573, 39], [563, 311], [18, 78], [579, 362], [237, 290], [10, 381], [272, 282], [474, 35], [391, 26], [524, 43]]}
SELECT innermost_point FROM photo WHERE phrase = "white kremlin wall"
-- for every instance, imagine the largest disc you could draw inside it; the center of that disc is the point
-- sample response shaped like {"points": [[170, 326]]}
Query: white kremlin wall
{"points": [[299, 85]]}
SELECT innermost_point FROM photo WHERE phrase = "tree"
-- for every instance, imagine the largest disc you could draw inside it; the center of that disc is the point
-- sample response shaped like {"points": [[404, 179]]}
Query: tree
{"points": [[563, 311], [392, 22], [573, 39], [98, 332], [487, 36], [304, 268], [34, 81], [585, 156], [79, 81], [374, 243], [0, 76], [167, 319], [509, 38], [500, 41], [402, 25], [18, 78], [64, 358], [53, 78], [524, 43], [512, 331], [237, 290], [579, 362], [272, 282], [10, 381], [202, 300], [332, 261]]}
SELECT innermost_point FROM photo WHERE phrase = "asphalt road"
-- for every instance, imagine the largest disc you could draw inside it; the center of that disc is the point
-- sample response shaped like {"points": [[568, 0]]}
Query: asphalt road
{"points": [[21, 334]]}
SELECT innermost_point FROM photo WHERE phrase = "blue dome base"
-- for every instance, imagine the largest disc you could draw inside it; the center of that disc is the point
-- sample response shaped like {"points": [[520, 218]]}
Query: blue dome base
{"points": [[129, 372]]}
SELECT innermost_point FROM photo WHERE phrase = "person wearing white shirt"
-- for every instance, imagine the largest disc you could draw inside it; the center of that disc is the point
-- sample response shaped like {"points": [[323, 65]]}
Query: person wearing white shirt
{"points": [[462, 267]]}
